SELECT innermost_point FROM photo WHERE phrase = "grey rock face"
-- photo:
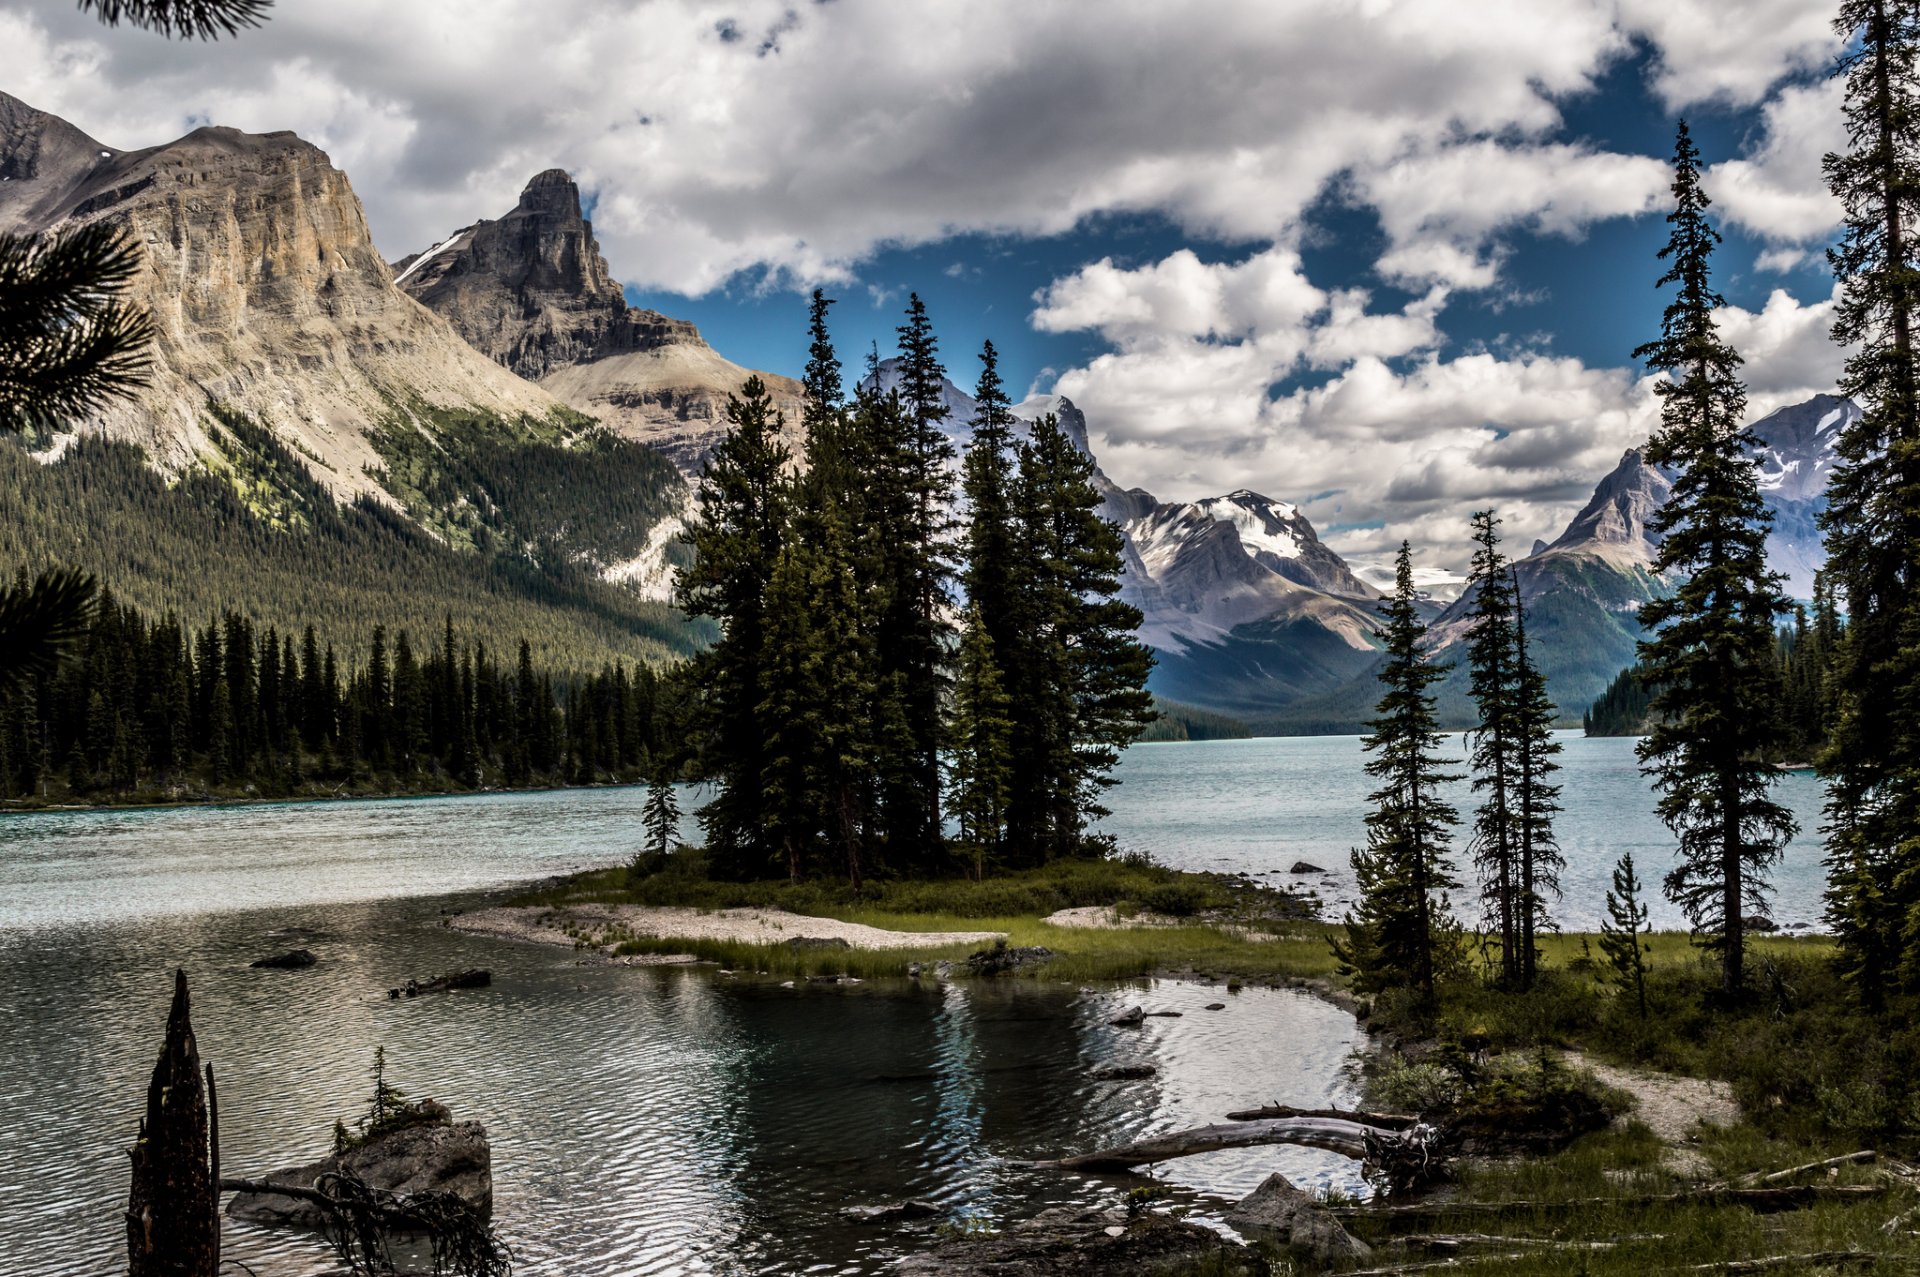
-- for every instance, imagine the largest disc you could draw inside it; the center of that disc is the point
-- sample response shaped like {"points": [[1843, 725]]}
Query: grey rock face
{"points": [[531, 290], [451, 1157], [1280, 1213]]}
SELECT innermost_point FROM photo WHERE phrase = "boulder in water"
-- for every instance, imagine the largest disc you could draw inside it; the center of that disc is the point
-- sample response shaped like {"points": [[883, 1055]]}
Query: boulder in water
{"points": [[1305, 867], [432, 1154]]}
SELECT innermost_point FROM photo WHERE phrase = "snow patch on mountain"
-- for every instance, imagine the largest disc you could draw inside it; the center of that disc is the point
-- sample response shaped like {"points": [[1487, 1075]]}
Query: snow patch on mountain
{"points": [[1442, 585]]}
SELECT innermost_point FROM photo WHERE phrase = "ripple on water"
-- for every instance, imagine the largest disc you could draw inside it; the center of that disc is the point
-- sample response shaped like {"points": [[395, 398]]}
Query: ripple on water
{"points": [[646, 1120]]}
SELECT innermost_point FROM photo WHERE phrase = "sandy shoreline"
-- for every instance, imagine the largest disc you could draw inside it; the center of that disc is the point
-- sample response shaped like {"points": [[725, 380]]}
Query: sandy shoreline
{"points": [[605, 926]]}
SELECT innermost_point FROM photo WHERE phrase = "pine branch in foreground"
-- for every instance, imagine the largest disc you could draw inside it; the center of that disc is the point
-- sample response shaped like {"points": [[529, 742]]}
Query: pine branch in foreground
{"points": [[183, 19], [70, 341]]}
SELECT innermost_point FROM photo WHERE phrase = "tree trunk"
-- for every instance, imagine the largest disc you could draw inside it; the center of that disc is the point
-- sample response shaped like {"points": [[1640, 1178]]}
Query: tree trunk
{"points": [[173, 1225]]}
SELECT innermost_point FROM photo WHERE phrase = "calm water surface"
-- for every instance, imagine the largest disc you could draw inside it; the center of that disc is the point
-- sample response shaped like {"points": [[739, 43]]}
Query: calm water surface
{"points": [[657, 1120]]}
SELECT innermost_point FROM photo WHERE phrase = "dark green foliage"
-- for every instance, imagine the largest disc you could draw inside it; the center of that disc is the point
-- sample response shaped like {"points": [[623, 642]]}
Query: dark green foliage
{"points": [[155, 709], [1872, 520], [735, 539], [294, 557], [825, 710], [1074, 667], [1621, 932], [1717, 704], [982, 736], [1537, 796], [189, 19], [660, 818], [70, 341], [1494, 680], [41, 620], [915, 483], [1622, 709], [1398, 933]]}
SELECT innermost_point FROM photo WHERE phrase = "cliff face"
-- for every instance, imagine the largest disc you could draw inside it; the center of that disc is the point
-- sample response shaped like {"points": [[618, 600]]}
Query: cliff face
{"points": [[531, 291], [266, 290]]}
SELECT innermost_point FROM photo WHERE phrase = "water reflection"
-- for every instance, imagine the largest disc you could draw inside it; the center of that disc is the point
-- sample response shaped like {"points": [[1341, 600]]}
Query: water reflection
{"points": [[643, 1119]]}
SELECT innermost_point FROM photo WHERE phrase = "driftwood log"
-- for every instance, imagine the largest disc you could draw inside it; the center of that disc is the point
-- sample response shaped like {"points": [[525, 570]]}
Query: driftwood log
{"points": [[1832, 1163], [1385, 1121], [1797, 1263], [1402, 1158]]}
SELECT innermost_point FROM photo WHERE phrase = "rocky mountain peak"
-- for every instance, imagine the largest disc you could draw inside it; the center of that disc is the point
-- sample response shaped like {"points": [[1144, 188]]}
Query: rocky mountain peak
{"points": [[530, 289], [267, 292], [1613, 523]]}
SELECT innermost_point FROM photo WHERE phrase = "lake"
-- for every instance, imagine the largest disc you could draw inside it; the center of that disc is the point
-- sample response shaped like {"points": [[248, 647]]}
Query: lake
{"points": [[661, 1120]]}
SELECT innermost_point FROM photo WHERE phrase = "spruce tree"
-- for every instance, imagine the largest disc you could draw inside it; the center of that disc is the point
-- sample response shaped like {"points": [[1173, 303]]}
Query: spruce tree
{"points": [[987, 480], [917, 669], [660, 817], [1622, 934], [982, 733], [1872, 522], [793, 714], [1080, 678], [1494, 686], [1536, 796], [1396, 932], [1711, 652], [847, 562], [735, 535]]}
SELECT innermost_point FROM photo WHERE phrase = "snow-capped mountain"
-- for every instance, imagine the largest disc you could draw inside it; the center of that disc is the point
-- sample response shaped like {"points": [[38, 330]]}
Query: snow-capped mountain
{"points": [[1796, 461]]}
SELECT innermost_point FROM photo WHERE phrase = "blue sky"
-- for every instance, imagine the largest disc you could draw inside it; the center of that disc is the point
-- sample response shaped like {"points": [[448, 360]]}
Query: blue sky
{"points": [[1387, 258]]}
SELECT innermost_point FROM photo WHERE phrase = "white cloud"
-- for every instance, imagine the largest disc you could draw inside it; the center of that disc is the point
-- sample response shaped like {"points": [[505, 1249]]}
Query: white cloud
{"points": [[1710, 50], [1778, 190], [1195, 397], [818, 132], [1442, 209]]}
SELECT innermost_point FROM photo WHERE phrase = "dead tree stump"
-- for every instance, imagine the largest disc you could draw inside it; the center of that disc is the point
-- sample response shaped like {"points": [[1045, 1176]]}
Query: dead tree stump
{"points": [[173, 1221]]}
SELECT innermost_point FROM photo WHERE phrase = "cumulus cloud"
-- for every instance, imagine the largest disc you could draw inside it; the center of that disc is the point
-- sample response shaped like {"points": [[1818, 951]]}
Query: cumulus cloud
{"points": [[1709, 51], [1207, 391], [1778, 190], [764, 134]]}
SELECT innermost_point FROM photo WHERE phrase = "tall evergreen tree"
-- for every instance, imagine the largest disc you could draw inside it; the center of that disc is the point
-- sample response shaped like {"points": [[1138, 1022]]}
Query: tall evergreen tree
{"points": [[987, 479], [848, 567], [1080, 677], [981, 733], [1536, 795], [735, 536], [913, 655], [1710, 656], [1494, 685], [1872, 520], [1396, 932]]}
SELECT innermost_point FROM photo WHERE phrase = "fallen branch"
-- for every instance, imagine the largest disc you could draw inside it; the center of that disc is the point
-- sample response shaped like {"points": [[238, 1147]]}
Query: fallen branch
{"points": [[1818, 1259], [360, 1216], [1760, 1200], [1452, 1242], [1848, 1159], [1385, 1121]]}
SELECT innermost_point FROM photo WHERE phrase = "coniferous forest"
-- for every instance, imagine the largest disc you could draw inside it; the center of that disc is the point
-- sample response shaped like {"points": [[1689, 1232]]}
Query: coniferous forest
{"points": [[876, 646], [156, 709]]}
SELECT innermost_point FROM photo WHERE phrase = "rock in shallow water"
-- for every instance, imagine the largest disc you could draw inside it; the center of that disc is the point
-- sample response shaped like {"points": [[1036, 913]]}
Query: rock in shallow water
{"points": [[1280, 1213], [443, 1156], [295, 960]]}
